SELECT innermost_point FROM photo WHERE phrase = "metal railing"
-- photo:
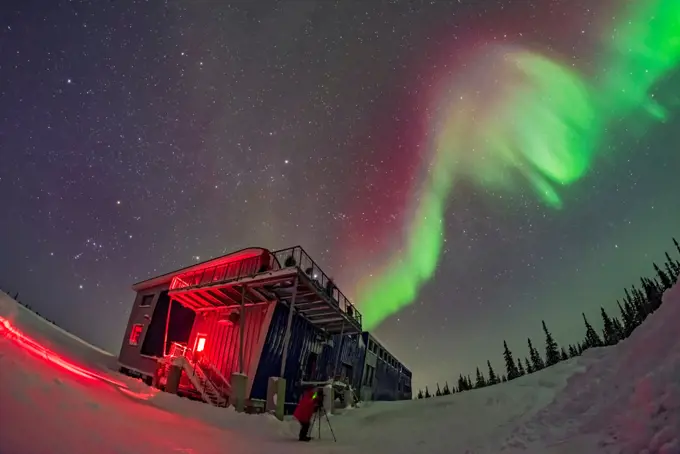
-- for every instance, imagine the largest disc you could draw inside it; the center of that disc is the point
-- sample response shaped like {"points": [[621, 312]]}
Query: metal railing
{"points": [[249, 266], [297, 257], [293, 257], [206, 374], [177, 350]]}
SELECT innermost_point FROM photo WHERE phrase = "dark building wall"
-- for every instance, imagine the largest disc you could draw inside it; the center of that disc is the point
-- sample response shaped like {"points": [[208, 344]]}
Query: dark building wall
{"points": [[179, 326], [142, 313], [303, 341], [383, 377], [310, 356], [344, 359]]}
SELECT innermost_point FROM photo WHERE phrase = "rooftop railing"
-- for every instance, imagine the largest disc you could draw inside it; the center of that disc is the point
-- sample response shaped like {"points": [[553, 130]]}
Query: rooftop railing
{"points": [[294, 257], [238, 269]]}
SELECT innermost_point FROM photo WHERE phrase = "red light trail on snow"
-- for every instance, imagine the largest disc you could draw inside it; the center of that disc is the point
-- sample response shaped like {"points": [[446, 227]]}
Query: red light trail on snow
{"points": [[34, 347]]}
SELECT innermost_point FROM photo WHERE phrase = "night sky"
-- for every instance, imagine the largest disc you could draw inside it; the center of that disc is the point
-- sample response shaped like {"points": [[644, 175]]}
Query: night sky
{"points": [[140, 137]]}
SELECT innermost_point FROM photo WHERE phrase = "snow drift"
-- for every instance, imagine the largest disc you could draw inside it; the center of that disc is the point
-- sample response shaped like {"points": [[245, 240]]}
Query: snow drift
{"points": [[628, 396], [622, 399]]}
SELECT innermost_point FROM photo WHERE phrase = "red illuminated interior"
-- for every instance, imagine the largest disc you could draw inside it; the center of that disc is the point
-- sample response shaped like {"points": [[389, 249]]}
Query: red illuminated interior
{"points": [[35, 348], [200, 343], [135, 334]]}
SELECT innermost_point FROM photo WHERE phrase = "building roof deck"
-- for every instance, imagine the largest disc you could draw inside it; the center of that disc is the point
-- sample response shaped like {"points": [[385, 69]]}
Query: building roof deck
{"points": [[261, 276]]}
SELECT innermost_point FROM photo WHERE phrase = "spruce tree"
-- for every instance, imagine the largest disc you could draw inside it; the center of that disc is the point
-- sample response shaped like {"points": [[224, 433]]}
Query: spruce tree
{"points": [[640, 301], [438, 393], [572, 351], [592, 339], [563, 355], [481, 382], [427, 393], [609, 331], [504, 378], [677, 246], [663, 277], [536, 360], [552, 354], [628, 323], [420, 394], [652, 295], [462, 384], [581, 348], [493, 379], [672, 268], [618, 327], [446, 390], [510, 367], [469, 383], [520, 368], [636, 313], [529, 367]]}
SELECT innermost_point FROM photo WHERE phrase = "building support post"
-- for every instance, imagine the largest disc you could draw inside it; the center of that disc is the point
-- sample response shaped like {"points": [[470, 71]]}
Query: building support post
{"points": [[239, 381], [337, 359], [167, 327], [276, 386], [241, 328], [286, 336]]}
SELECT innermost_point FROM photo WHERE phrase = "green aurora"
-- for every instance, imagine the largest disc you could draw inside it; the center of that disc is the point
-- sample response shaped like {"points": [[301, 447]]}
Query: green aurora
{"points": [[544, 125]]}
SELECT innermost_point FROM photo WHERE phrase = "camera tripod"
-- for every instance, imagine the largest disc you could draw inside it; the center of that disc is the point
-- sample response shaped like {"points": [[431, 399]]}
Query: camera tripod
{"points": [[321, 411]]}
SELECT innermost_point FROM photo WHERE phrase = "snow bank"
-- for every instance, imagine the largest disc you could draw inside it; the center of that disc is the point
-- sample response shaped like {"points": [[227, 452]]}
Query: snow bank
{"points": [[628, 396], [54, 337]]}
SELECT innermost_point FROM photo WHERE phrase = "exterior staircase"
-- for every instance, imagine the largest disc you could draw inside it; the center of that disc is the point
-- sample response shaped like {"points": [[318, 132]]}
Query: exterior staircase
{"points": [[208, 381]]}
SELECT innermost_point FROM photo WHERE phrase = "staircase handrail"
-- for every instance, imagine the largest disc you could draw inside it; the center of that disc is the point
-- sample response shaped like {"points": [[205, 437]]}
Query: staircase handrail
{"points": [[208, 383], [191, 373], [222, 378]]}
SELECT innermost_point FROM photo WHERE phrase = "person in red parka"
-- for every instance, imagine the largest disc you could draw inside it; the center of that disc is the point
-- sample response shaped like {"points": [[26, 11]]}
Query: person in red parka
{"points": [[305, 411]]}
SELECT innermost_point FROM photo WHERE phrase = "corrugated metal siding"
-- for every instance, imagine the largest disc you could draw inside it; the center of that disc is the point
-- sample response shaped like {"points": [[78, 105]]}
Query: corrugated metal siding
{"points": [[386, 382], [222, 339], [304, 339], [351, 358]]}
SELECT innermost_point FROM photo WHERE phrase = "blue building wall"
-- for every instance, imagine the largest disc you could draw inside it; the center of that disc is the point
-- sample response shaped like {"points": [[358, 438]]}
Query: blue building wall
{"points": [[349, 363], [305, 342], [383, 376], [303, 339], [386, 381], [391, 380]]}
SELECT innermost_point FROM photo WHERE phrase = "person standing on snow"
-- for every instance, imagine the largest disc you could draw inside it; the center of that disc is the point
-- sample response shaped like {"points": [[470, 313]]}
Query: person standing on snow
{"points": [[305, 411]]}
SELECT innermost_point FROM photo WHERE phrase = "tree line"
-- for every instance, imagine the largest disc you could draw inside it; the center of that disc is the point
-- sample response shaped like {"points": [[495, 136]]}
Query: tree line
{"points": [[638, 302], [28, 306]]}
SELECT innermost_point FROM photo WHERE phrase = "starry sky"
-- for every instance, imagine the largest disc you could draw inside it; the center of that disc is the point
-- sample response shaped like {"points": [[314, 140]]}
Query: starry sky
{"points": [[140, 137]]}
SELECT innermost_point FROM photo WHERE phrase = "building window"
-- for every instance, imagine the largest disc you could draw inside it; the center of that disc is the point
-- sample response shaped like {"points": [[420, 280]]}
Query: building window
{"points": [[136, 333], [368, 378], [146, 301], [199, 345]]}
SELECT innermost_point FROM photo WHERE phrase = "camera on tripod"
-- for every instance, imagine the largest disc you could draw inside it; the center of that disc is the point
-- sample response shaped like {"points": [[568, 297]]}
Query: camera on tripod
{"points": [[318, 398], [320, 411]]}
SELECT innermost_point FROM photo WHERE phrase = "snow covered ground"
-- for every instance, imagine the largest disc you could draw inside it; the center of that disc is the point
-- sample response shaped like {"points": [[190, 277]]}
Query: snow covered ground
{"points": [[622, 399]]}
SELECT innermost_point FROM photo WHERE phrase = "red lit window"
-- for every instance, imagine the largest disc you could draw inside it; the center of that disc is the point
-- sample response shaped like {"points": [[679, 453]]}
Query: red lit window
{"points": [[200, 343], [136, 333]]}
